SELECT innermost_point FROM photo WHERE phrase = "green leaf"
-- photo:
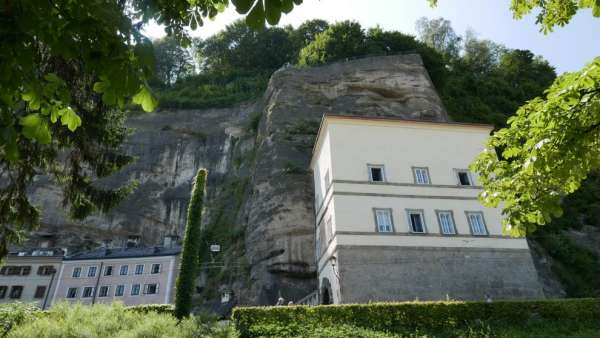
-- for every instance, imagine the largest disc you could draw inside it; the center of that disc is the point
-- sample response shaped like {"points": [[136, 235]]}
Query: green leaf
{"points": [[287, 6], [145, 98], [145, 54], [243, 6], [256, 17], [273, 11], [9, 138], [36, 128], [70, 119]]}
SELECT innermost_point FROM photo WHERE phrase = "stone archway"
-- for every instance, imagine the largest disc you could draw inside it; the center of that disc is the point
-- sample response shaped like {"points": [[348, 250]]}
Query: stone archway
{"points": [[326, 295]]}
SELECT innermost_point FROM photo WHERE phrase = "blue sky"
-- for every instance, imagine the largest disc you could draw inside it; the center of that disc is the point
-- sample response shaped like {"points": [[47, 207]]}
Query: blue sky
{"points": [[567, 48]]}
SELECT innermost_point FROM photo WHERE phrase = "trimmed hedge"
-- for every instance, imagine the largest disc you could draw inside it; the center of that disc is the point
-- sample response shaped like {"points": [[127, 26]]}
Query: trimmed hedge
{"points": [[398, 317], [158, 308]]}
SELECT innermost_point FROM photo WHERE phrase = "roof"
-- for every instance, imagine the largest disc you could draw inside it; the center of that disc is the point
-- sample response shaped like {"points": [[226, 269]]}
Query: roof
{"points": [[392, 119], [111, 253], [36, 252]]}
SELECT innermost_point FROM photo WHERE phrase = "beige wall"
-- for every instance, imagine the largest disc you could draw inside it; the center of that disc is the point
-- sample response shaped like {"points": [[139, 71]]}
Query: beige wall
{"points": [[165, 280], [31, 281]]}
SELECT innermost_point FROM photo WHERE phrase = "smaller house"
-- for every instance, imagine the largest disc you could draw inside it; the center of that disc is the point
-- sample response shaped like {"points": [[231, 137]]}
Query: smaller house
{"points": [[29, 276], [132, 275]]}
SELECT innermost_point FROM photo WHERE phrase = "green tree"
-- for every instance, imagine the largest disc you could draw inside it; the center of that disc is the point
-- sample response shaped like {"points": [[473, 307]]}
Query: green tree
{"points": [[341, 40], [439, 35], [190, 255], [173, 61], [67, 71]]}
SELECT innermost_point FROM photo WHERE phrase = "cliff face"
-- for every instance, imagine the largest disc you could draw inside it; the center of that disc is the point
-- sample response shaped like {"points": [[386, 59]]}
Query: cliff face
{"points": [[260, 198]]}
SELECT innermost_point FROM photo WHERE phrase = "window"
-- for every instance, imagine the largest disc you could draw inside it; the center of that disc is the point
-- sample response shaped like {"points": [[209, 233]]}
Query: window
{"points": [[464, 177], [156, 268], [72, 293], [92, 271], [40, 291], [151, 289], [13, 270], [446, 221], [76, 272], [88, 291], [135, 289], [124, 270], [104, 291], [120, 290], [16, 291], [3, 289], [25, 270], [3, 270], [139, 269], [376, 173], [416, 221], [108, 270], [45, 270], [421, 175], [383, 220], [477, 223]]}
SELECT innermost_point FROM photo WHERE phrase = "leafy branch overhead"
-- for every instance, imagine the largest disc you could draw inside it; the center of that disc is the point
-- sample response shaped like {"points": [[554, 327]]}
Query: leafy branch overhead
{"points": [[260, 10], [546, 152]]}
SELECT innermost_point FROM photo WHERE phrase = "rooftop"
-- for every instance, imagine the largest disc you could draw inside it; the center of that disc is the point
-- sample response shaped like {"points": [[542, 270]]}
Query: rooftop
{"points": [[106, 253], [37, 252]]}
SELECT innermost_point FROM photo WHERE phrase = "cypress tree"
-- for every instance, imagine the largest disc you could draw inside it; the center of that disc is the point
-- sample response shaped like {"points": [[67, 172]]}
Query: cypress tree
{"points": [[190, 255]]}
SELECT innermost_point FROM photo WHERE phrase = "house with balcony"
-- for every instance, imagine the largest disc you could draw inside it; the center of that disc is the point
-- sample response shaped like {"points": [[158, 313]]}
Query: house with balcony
{"points": [[30, 275], [398, 216]]}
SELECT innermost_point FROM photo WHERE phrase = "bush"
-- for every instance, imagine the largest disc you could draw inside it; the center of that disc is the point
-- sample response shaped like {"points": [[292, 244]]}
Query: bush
{"points": [[397, 318], [12, 315], [115, 320], [158, 308]]}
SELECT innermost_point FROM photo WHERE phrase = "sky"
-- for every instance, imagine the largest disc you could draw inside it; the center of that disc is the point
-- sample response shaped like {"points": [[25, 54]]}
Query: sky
{"points": [[568, 48]]}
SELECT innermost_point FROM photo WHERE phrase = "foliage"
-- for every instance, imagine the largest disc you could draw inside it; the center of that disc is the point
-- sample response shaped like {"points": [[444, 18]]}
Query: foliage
{"points": [[78, 320], [173, 61], [158, 308], [401, 318], [15, 314], [553, 12], [347, 39], [439, 35], [190, 254], [550, 146], [260, 11]]}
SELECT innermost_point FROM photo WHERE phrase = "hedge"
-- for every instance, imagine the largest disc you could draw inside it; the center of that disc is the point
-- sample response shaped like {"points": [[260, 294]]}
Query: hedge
{"points": [[398, 317], [158, 308]]}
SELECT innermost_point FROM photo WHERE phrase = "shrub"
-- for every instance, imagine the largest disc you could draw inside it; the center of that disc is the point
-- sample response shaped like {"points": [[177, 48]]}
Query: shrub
{"points": [[12, 315], [399, 317], [115, 320], [158, 308]]}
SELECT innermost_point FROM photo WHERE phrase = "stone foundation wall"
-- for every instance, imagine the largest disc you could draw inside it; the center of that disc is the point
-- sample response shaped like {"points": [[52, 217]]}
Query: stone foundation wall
{"points": [[369, 273]]}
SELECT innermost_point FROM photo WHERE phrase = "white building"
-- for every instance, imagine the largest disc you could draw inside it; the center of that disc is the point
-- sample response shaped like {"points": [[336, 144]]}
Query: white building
{"points": [[398, 216], [131, 275], [29, 275]]}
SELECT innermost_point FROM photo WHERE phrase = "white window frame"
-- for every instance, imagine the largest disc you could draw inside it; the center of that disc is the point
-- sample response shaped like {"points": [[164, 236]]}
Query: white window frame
{"points": [[138, 271], [87, 288], [420, 212], [117, 289], [416, 175], [92, 268], [107, 288], [139, 288], [438, 214], [376, 166], [74, 295], [146, 286], [471, 228], [390, 215], [152, 268], [78, 274], [457, 173], [126, 266]]}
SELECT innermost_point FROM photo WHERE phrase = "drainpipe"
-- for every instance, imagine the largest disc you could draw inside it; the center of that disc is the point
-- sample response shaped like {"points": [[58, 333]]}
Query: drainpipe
{"points": [[97, 283], [49, 288]]}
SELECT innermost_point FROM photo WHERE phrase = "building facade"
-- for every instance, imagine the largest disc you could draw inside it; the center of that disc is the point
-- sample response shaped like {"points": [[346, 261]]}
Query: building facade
{"points": [[131, 275], [398, 216], [30, 276]]}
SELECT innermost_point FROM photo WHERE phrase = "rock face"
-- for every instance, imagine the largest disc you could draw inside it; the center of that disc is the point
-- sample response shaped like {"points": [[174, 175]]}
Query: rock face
{"points": [[259, 187]]}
